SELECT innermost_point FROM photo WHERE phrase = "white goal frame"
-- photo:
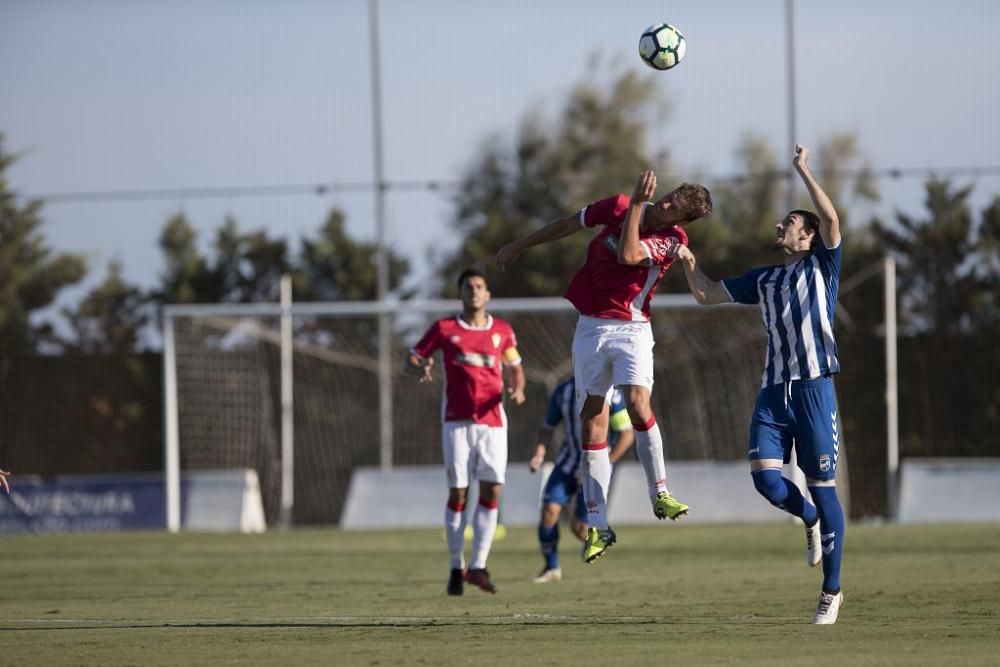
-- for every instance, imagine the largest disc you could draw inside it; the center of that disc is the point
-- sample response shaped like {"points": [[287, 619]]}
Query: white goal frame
{"points": [[286, 311]]}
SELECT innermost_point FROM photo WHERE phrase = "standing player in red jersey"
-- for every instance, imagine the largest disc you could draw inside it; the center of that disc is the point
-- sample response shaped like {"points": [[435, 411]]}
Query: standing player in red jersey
{"points": [[475, 346], [613, 342]]}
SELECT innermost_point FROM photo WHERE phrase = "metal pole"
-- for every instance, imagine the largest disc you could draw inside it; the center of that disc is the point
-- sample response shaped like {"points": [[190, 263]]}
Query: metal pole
{"points": [[287, 413], [381, 257], [171, 450], [891, 390], [790, 95]]}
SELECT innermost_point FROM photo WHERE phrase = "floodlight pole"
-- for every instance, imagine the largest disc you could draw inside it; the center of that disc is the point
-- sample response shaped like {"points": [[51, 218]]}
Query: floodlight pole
{"points": [[790, 94], [381, 255]]}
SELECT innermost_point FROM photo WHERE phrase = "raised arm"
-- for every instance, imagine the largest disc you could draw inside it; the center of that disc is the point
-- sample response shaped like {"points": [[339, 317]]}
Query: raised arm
{"points": [[550, 232], [706, 291], [829, 223], [630, 250]]}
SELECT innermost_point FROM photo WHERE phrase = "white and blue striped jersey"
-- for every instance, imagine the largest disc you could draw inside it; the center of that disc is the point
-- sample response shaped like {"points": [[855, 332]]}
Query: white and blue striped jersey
{"points": [[797, 303], [563, 409]]}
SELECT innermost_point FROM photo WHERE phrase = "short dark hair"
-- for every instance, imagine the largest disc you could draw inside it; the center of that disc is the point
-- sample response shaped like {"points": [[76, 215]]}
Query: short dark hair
{"points": [[696, 199], [471, 273], [811, 221]]}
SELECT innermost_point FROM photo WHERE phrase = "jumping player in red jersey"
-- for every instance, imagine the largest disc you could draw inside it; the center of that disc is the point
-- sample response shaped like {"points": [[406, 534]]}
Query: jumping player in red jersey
{"points": [[476, 347], [613, 343]]}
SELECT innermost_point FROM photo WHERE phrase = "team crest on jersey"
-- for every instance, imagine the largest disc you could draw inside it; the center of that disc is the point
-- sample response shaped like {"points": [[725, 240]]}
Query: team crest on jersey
{"points": [[824, 463], [611, 243], [496, 338], [455, 339]]}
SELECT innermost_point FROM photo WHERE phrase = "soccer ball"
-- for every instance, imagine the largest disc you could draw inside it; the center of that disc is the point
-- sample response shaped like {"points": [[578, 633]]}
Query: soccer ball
{"points": [[662, 46]]}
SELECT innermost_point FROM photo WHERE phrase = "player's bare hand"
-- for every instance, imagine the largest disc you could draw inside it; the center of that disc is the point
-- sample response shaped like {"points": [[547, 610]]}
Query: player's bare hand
{"points": [[3, 480], [506, 255], [537, 460], [683, 254], [801, 156], [645, 188], [425, 375], [516, 395]]}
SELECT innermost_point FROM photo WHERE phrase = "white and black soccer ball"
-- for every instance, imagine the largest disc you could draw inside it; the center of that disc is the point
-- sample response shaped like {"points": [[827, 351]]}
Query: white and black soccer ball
{"points": [[662, 46]]}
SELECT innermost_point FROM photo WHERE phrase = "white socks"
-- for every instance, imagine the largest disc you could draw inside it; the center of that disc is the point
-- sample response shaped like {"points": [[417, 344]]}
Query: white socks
{"points": [[454, 529], [484, 527], [649, 447], [596, 482]]}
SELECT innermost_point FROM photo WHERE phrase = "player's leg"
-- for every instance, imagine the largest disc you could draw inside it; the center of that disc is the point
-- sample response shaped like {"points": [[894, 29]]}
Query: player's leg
{"points": [[490, 445], [632, 370], [594, 385], [817, 432], [769, 448], [559, 488], [456, 450]]}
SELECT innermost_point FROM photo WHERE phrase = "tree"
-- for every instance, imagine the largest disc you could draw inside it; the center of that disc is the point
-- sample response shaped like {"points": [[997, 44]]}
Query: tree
{"points": [[595, 149], [111, 318], [333, 266], [31, 275], [947, 262]]}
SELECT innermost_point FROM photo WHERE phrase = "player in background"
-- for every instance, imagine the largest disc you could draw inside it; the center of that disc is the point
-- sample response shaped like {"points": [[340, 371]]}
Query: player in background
{"points": [[564, 481], [797, 405], [476, 347], [613, 342]]}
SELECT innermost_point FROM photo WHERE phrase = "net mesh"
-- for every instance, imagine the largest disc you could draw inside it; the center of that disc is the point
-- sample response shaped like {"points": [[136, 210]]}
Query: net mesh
{"points": [[707, 371]]}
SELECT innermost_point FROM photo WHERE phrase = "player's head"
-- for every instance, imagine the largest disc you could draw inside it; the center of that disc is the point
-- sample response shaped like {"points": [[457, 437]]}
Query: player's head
{"points": [[797, 231], [685, 203], [473, 289]]}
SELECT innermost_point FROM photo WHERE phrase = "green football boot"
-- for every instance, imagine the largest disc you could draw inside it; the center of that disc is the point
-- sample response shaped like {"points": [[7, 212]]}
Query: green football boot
{"points": [[667, 507], [597, 543]]}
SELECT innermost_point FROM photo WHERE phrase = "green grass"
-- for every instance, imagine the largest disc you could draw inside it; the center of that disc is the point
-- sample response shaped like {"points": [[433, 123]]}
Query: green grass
{"points": [[671, 594]]}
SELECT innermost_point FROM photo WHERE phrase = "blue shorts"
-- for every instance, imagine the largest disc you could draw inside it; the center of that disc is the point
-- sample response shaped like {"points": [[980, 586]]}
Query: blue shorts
{"points": [[803, 414], [560, 489]]}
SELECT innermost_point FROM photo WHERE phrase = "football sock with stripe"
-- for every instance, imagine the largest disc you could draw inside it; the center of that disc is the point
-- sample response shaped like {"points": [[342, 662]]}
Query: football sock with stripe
{"points": [[484, 527], [831, 528], [649, 447], [454, 530], [596, 481], [548, 538], [783, 494]]}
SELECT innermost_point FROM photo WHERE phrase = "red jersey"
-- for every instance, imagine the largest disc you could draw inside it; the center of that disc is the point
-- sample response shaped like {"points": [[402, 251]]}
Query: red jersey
{"points": [[473, 374], [603, 287]]}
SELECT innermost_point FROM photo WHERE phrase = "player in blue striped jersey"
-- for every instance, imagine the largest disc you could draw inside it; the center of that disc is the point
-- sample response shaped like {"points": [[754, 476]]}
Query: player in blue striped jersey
{"points": [[796, 406], [564, 481]]}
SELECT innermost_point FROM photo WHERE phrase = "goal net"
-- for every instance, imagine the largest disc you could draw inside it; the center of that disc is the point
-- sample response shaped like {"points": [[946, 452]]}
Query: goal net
{"points": [[708, 365]]}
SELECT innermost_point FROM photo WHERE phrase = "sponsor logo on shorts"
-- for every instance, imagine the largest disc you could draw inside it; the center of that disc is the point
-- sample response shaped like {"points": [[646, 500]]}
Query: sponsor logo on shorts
{"points": [[824, 463]]}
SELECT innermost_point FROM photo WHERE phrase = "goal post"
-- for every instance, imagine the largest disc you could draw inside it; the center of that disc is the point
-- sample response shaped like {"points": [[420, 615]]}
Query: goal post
{"points": [[225, 406]]}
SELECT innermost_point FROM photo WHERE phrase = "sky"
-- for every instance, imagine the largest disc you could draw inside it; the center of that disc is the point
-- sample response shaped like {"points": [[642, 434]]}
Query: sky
{"points": [[108, 96]]}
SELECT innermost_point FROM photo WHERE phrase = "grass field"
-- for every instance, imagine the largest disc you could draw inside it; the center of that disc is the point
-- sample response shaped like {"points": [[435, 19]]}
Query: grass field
{"points": [[672, 594]]}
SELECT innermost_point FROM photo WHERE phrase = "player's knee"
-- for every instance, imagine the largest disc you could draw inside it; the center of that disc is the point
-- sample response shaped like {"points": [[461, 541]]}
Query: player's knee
{"points": [[637, 403], [550, 514], [457, 496], [770, 485]]}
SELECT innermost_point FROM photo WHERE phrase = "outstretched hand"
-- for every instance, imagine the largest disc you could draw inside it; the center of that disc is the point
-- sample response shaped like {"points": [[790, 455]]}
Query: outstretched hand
{"points": [[645, 188], [681, 252], [801, 156], [506, 255], [516, 395]]}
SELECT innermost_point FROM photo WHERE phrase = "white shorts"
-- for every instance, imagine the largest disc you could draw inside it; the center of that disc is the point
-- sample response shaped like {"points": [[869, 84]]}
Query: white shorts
{"points": [[611, 353], [474, 450]]}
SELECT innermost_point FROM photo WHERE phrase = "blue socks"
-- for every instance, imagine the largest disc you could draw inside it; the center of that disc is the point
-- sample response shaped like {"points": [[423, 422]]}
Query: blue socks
{"points": [[783, 494], [831, 528], [548, 538]]}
